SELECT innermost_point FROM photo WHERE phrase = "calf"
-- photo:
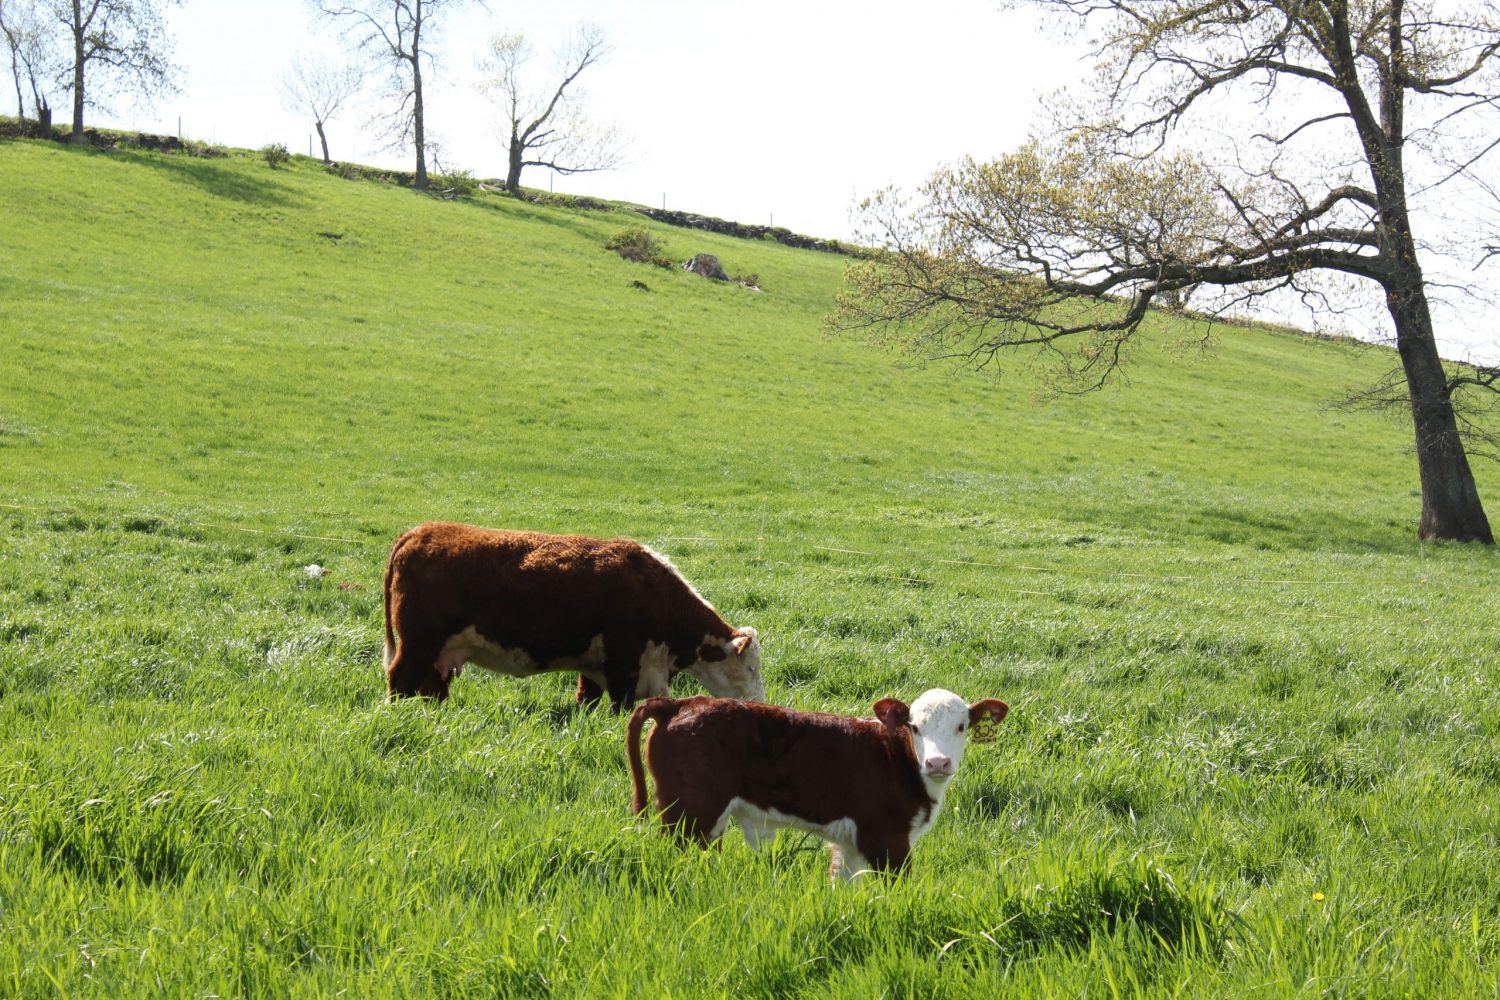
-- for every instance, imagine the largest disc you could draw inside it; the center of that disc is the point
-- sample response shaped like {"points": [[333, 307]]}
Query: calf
{"points": [[521, 602], [870, 787]]}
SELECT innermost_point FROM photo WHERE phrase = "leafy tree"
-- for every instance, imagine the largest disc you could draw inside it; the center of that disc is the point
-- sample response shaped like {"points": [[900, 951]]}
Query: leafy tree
{"points": [[127, 39], [400, 34], [34, 59], [319, 88], [1062, 246], [547, 128]]}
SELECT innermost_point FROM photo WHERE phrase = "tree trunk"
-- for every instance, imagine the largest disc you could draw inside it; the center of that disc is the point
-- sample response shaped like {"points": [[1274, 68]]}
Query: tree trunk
{"points": [[324, 140], [1450, 501], [20, 98], [513, 175], [77, 135], [417, 126]]}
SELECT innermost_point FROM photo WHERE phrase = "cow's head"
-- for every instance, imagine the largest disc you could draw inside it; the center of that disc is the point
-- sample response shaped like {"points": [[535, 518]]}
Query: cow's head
{"points": [[941, 726], [730, 668]]}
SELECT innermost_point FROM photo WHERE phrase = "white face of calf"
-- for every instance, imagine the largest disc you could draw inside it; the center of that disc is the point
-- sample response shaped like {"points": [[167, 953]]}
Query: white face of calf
{"points": [[731, 668], [941, 726]]}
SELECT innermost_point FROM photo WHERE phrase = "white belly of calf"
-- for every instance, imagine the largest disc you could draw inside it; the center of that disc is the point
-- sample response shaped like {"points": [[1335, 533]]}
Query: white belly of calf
{"points": [[761, 824]]}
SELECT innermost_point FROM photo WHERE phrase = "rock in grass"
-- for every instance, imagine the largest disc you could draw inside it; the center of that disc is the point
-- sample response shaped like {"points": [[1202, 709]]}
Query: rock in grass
{"points": [[707, 265]]}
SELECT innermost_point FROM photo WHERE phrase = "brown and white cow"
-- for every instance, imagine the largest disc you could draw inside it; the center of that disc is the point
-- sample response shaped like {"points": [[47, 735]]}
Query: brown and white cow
{"points": [[870, 787], [523, 602]]}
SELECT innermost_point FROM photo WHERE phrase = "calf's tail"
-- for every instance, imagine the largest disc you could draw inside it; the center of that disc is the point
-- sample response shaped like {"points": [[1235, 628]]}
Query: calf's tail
{"points": [[659, 710]]}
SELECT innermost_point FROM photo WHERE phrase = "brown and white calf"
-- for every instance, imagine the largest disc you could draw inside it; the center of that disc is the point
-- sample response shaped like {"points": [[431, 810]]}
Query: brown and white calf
{"points": [[870, 787], [523, 602]]}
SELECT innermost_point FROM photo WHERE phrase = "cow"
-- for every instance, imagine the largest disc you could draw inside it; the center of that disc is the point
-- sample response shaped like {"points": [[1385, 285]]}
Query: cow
{"points": [[523, 602], [869, 787]]}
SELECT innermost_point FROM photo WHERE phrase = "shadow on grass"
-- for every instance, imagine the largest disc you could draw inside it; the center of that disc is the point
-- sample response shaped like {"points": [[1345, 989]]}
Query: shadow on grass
{"points": [[219, 181], [1309, 530], [574, 220]]}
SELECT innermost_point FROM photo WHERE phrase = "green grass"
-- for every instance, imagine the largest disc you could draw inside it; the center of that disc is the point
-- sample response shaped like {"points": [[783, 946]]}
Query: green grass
{"points": [[1236, 680]]}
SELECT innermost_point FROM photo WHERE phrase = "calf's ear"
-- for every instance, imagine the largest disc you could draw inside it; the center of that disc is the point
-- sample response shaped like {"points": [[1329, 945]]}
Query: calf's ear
{"points": [[741, 641], [984, 716], [893, 712]]}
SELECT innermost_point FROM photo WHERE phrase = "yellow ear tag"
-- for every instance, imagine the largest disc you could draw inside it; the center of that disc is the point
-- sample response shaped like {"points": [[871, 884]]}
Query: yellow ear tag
{"points": [[985, 730]]}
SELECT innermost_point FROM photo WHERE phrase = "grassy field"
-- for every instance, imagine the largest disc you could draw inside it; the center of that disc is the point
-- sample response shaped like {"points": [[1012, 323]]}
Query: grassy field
{"points": [[1252, 747]]}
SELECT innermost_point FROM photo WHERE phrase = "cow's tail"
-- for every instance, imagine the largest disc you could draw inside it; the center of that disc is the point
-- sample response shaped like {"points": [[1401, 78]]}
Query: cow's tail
{"points": [[390, 572], [659, 710]]}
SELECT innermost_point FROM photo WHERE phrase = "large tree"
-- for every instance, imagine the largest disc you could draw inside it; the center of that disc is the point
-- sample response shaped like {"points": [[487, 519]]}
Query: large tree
{"points": [[125, 38], [318, 89], [400, 34], [1328, 114], [547, 127]]}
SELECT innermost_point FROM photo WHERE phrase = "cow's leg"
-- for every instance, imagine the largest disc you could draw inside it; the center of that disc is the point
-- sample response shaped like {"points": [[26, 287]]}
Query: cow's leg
{"points": [[589, 692], [414, 668], [622, 671]]}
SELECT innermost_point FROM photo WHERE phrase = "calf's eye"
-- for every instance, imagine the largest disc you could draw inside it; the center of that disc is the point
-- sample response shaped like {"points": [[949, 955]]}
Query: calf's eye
{"points": [[960, 727], [915, 731]]}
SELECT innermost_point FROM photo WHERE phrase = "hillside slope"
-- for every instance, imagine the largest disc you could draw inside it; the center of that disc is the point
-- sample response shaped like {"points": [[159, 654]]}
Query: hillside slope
{"points": [[503, 333], [1251, 746]]}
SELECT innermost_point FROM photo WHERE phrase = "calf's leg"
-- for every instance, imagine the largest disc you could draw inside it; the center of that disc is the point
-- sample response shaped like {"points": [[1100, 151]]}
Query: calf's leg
{"points": [[887, 852], [690, 823], [847, 863], [589, 693]]}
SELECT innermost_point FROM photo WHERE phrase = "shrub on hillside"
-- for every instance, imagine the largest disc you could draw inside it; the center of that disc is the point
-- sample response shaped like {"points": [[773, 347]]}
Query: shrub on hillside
{"points": [[635, 244], [275, 154], [456, 182]]}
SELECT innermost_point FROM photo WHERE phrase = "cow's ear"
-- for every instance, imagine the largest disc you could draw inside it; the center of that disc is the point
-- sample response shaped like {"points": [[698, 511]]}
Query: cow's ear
{"points": [[893, 712], [984, 716], [742, 641]]}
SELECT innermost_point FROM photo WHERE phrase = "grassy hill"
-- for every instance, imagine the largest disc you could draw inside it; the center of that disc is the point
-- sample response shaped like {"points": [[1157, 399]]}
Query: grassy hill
{"points": [[1252, 743]]}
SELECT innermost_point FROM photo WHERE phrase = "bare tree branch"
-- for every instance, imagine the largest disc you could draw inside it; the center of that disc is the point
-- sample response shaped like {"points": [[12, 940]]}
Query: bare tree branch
{"points": [[1063, 246], [399, 34], [549, 131], [318, 89]]}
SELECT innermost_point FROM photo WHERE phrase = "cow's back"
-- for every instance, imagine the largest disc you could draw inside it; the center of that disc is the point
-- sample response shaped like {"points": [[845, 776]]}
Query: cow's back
{"points": [[547, 594]]}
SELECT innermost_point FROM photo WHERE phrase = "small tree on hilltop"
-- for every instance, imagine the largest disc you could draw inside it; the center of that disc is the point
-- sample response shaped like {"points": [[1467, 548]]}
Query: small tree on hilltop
{"points": [[547, 128], [35, 61], [399, 34], [1062, 246], [318, 89]]}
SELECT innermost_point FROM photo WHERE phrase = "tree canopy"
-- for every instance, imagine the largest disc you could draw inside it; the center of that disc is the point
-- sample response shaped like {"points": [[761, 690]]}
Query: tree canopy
{"points": [[1242, 148]]}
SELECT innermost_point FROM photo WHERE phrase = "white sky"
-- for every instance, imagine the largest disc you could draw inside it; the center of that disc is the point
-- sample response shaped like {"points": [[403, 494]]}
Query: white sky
{"points": [[745, 111], [774, 111]]}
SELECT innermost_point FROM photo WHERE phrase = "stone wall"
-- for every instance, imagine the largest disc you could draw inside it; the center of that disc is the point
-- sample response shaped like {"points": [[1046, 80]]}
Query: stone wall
{"points": [[743, 231]]}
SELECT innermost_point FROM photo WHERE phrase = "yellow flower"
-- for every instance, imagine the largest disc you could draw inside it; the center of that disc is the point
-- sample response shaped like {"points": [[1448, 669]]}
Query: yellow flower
{"points": [[1318, 897]]}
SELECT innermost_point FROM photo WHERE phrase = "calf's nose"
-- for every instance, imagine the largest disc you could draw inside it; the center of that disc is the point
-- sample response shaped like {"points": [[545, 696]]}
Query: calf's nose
{"points": [[938, 764]]}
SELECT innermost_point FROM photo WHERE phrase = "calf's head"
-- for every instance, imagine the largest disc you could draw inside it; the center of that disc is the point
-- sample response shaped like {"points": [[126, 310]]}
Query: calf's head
{"points": [[731, 668], [941, 725]]}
